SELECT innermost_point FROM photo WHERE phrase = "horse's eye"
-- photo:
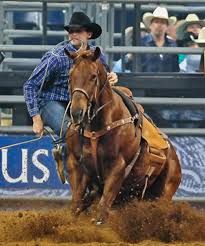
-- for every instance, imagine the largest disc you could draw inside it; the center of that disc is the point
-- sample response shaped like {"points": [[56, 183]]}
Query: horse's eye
{"points": [[93, 77]]}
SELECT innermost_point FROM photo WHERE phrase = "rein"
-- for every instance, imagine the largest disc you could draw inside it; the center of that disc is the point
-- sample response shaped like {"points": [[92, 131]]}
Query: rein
{"points": [[29, 141]]}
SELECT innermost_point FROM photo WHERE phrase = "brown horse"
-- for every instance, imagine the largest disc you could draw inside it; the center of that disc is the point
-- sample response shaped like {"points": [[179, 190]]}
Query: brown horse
{"points": [[117, 154]]}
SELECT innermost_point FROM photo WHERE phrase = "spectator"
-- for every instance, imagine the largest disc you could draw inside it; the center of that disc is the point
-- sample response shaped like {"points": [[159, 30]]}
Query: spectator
{"points": [[171, 30], [128, 42], [189, 63], [200, 41], [192, 23], [158, 22], [192, 118]]}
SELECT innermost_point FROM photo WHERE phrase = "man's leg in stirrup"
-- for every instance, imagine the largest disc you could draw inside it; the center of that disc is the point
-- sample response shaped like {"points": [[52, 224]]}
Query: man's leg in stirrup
{"points": [[52, 113]]}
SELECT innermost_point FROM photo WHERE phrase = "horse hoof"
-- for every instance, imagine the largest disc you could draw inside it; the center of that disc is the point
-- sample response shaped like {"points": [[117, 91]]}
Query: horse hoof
{"points": [[77, 211], [99, 222], [93, 220]]}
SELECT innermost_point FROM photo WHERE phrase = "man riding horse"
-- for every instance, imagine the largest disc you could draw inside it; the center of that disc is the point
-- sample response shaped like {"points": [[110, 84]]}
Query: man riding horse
{"points": [[46, 91]]}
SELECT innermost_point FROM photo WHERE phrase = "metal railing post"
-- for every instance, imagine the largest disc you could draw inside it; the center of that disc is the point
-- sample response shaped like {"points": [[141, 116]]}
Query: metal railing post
{"points": [[136, 37], [105, 8], [1, 22], [123, 26], [111, 22], [44, 22]]}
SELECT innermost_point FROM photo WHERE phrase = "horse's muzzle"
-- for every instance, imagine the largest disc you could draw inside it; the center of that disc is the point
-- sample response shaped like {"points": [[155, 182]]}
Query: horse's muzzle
{"points": [[77, 116]]}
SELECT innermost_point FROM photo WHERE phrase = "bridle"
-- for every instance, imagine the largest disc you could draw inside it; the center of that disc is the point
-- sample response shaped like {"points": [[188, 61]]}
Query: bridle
{"points": [[93, 97]]}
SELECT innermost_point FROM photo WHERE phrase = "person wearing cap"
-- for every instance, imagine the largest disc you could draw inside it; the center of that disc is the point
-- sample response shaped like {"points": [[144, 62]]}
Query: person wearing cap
{"points": [[191, 23], [46, 91], [158, 22]]}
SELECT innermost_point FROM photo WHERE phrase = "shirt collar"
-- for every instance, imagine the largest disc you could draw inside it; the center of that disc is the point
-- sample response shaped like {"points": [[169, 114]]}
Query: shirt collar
{"points": [[150, 39]]}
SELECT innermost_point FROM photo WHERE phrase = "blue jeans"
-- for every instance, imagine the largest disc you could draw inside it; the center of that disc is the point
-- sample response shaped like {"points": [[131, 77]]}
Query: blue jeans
{"points": [[52, 113]]}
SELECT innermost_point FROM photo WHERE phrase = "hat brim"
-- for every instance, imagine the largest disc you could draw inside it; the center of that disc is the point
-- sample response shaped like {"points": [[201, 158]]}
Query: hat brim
{"points": [[181, 29], [148, 19], [92, 27], [200, 42]]}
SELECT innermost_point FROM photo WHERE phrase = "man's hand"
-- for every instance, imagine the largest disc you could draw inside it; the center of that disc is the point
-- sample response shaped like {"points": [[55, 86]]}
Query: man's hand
{"points": [[37, 125], [112, 78]]}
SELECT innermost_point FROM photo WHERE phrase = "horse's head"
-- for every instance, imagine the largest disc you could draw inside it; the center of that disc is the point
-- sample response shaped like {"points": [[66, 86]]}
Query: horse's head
{"points": [[85, 80]]}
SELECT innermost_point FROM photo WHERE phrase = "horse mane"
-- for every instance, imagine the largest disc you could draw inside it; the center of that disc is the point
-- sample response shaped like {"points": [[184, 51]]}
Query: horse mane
{"points": [[84, 55]]}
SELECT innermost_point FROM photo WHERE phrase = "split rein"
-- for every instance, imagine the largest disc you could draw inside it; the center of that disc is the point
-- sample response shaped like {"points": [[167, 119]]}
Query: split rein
{"points": [[56, 142]]}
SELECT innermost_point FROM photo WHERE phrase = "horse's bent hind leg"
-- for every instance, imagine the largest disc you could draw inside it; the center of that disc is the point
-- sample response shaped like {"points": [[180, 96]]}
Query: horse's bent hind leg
{"points": [[168, 181], [172, 180]]}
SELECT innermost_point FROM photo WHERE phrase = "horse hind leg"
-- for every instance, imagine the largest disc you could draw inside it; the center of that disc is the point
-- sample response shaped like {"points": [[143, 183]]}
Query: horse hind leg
{"points": [[172, 180], [169, 179]]}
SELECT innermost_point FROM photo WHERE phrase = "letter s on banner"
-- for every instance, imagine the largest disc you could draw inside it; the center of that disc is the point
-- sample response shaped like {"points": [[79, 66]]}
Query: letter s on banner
{"points": [[39, 165]]}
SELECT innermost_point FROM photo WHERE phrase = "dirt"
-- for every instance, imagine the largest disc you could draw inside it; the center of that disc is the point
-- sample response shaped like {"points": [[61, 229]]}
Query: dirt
{"points": [[37, 223]]}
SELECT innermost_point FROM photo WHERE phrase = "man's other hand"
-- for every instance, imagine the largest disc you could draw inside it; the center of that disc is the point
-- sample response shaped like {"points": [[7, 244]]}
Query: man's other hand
{"points": [[112, 78]]}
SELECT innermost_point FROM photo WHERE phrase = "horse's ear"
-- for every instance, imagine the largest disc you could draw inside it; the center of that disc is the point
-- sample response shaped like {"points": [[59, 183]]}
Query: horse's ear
{"points": [[96, 54], [70, 54]]}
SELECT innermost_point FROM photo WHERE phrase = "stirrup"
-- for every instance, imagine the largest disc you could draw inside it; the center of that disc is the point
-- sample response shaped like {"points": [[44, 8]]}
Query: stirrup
{"points": [[57, 155]]}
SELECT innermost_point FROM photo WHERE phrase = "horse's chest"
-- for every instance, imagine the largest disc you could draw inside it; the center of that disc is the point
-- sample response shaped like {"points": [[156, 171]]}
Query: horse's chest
{"points": [[96, 150]]}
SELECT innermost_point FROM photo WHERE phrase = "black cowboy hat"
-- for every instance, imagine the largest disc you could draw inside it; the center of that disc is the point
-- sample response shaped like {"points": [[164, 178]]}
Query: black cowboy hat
{"points": [[79, 19]]}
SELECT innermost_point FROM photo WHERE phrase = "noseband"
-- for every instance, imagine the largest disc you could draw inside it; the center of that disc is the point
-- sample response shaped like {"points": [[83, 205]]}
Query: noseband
{"points": [[84, 92]]}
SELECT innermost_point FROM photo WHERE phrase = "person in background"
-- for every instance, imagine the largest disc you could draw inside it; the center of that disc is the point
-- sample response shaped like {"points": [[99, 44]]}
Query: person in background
{"points": [[200, 41], [158, 23], [189, 63], [171, 29], [187, 30], [194, 117], [46, 91], [192, 24], [128, 42]]}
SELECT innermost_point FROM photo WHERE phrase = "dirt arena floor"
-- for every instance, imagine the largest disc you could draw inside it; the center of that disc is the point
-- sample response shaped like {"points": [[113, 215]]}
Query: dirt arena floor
{"points": [[49, 223]]}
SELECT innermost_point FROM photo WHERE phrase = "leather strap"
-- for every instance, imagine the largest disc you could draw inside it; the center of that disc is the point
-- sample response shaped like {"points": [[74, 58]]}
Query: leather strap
{"points": [[94, 135]]}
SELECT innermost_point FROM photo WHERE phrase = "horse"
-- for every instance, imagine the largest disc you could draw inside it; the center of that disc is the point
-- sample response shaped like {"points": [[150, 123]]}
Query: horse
{"points": [[113, 152]]}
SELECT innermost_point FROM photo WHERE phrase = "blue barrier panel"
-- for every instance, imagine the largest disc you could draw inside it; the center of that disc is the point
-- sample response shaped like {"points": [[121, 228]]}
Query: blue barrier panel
{"points": [[29, 169], [29, 166], [191, 151]]}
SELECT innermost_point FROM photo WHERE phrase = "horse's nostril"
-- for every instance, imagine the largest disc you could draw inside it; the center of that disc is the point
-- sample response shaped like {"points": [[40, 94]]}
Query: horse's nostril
{"points": [[77, 116]]}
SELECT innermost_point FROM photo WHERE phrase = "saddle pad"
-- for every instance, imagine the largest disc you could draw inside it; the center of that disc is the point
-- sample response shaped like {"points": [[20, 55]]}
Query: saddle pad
{"points": [[152, 135]]}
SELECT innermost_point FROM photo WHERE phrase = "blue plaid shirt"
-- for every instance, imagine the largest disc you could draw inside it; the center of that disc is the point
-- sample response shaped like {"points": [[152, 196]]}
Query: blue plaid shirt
{"points": [[49, 80]]}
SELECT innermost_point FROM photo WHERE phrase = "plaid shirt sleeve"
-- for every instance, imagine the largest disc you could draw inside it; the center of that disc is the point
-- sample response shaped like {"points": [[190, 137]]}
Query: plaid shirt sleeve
{"points": [[45, 71]]}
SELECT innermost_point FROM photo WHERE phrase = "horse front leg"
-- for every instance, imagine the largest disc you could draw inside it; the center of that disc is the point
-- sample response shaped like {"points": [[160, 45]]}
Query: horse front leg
{"points": [[111, 189], [78, 182]]}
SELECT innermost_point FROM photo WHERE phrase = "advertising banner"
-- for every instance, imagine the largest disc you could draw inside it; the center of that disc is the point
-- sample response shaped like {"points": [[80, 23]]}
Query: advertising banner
{"points": [[29, 169]]}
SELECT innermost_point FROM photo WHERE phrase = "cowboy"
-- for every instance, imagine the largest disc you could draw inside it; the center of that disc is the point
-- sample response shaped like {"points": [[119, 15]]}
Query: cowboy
{"points": [[187, 29], [191, 23], [46, 91], [158, 22]]}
